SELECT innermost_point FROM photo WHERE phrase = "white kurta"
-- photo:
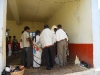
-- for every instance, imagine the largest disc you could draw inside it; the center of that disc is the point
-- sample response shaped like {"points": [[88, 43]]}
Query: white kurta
{"points": [[37, 54]]}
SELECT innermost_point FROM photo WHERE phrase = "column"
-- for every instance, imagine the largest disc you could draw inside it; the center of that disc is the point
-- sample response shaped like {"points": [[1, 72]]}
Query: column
{"points": [[96, 32], [3, 9]]}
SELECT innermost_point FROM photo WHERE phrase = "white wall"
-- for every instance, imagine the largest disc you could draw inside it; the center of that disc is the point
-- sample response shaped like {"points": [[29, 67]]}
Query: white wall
{"points": [[17, 29], [76, 18], [96, 32], [3, 6]]}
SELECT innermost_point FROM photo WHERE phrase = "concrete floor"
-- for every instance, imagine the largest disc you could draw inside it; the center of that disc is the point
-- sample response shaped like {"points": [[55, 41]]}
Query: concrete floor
{"points": [[66, 70], [55, 71]]}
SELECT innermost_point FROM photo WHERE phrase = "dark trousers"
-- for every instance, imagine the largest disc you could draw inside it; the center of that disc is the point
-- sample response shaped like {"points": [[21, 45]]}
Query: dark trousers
{"points": [[48, 57], [25, 55], [22, 56]]}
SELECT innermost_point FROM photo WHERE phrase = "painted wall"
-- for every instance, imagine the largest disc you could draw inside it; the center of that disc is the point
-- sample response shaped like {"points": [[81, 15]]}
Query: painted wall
{"points": [[96, 32], [3, 6], [17, 29], [76, 19]]}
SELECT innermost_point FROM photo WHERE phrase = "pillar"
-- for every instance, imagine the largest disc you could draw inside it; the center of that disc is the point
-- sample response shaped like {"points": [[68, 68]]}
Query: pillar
{"points": [[3, 9], [96, 32]]}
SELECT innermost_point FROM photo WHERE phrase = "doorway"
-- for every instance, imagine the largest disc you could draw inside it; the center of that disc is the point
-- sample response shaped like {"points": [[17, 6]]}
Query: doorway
{"points": [[68, 13]]}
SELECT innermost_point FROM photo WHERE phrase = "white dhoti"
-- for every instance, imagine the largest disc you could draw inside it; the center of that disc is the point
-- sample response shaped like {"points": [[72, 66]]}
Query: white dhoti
{"points": [[9, 50], [37, 58]]}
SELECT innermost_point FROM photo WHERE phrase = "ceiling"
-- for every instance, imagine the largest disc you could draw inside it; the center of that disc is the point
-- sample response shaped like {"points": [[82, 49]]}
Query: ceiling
{"points": [[32, 10]]}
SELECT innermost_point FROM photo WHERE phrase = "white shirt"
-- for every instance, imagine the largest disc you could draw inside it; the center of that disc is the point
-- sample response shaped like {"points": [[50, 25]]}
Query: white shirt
{"points": [[47, 38], [25, 35], [60, 35]]}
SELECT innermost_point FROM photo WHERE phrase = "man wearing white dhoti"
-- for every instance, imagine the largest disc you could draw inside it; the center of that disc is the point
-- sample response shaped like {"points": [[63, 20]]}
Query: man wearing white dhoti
{"points": [[47, 40], [37, 51]]}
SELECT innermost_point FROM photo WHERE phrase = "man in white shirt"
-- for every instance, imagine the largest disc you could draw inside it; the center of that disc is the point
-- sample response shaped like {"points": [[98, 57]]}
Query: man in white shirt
{"points": [[61, 38], [26, 45], [47, 40]]}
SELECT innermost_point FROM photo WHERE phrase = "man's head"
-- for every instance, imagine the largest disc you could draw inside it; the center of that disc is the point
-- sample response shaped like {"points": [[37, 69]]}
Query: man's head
{"points": [[26, 28], [37, 32], [14, 37], [46, 26], [55, 29], [9, 37], [59, 26]]}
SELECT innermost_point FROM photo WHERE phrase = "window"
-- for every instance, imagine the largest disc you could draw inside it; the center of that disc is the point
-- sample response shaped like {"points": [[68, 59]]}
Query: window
{"points": [[32, 34]]}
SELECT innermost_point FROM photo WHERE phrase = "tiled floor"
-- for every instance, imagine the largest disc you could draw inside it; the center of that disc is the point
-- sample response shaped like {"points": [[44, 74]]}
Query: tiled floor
{"points": [[69, 68]]}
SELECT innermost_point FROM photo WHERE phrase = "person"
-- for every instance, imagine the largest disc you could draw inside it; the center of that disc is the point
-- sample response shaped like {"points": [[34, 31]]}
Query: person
{"points": [[9, 46], [26, 45], [61, 38], [15, 44], [47, 40], [55, 29], [37, 51]]}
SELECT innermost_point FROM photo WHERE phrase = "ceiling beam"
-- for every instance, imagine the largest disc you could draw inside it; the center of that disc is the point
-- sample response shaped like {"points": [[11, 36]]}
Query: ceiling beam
{"points": [[14, 10]]}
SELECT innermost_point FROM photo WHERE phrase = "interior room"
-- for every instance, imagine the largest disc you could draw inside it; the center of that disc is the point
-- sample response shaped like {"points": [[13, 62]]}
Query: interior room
{"points": [[71, 14]]}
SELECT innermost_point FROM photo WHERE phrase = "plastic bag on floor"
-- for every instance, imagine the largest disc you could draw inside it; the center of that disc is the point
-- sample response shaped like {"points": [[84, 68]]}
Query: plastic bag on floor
{"points": [[77, 61], [6, 71], [84, 64], [57, 60]]}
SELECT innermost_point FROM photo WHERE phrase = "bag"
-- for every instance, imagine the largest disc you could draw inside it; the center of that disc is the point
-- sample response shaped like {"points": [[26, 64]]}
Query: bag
{"points": [[77, 61], [5, 72], [83, 63], [57, 60]]}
